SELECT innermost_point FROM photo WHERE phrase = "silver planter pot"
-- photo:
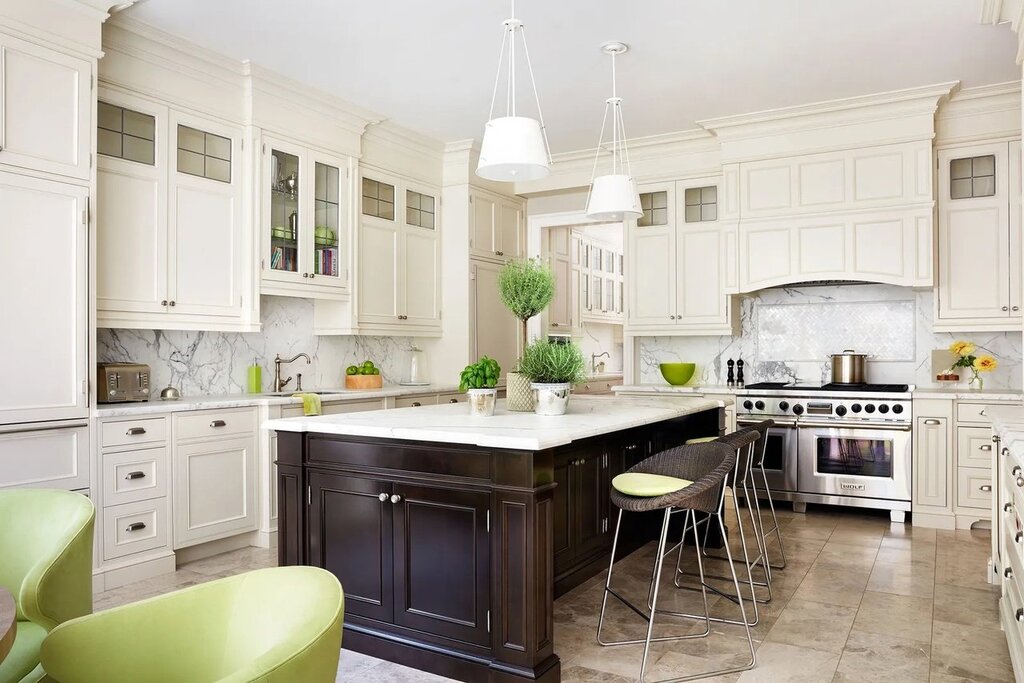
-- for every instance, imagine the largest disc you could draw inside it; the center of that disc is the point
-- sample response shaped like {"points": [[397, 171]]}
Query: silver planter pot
{"points": [[550, 399], [481, 402]]}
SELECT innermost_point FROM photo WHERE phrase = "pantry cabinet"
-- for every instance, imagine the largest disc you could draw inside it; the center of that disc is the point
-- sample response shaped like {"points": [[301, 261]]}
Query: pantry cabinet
{"points": [[495, 331], [979, 254], [399, 256], [305, 221], [497, 229], [45, 110]]}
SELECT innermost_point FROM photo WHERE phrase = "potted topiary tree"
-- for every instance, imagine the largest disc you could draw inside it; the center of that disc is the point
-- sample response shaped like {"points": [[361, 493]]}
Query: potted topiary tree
{"points": [[527, 287], [552, 368]]}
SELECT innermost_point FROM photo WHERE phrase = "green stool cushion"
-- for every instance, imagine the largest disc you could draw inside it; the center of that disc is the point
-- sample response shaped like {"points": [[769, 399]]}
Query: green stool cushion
{"points": [[647, 485], [23, 658], [703, 439]]}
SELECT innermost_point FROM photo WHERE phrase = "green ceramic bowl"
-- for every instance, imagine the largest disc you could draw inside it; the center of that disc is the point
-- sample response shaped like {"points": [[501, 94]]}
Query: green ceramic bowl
{"points": [[677, 374]]}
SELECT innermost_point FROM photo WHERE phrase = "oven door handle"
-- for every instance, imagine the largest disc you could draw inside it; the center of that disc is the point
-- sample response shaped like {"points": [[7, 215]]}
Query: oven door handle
{"points": [[747, 422], [876, 426]]}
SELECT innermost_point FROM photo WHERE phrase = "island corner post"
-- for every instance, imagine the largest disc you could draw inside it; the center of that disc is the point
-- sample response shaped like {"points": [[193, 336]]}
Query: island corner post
{"points": [[451, 555]]}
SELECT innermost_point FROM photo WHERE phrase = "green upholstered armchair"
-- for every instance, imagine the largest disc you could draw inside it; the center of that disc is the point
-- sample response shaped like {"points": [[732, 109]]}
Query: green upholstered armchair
{"points": [[46, 564], [275, 625]]}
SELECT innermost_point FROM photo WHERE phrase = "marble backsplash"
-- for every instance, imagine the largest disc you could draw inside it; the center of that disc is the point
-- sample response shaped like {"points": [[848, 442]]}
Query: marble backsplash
{"points": [[787, 333], [598, 338], [217, 362]]}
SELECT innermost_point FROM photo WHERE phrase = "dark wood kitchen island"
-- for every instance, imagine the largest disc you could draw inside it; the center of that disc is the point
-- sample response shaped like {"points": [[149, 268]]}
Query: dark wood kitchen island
{"points": [[452, 535]]}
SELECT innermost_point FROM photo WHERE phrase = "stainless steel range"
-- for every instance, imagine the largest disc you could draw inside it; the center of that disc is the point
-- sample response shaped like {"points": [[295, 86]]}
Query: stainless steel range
{"points": [[838, 444]]}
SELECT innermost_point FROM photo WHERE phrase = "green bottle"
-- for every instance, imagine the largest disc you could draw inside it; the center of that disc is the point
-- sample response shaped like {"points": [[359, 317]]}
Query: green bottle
{"points": [[255, 377]]}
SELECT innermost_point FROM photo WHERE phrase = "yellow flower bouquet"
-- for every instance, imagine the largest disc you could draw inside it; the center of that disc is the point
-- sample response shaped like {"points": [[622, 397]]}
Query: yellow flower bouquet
{"points": [[966, 358]]}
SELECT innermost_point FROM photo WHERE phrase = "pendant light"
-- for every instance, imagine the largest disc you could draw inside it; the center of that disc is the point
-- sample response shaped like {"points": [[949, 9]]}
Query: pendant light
{"points": [[514, 147], [613, 197]]}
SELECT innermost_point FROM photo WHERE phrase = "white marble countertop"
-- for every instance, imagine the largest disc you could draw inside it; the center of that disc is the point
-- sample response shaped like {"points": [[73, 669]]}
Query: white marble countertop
{"points": [[964, 394], [670, 389], [451, 423], [1008, 423], [602, 376], [246, 400]]}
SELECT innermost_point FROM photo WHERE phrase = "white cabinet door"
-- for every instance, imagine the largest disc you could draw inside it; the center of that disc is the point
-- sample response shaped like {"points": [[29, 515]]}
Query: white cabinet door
{"points": [[932, 461], [559, 313], [1014, 191], [45, 109], [207, 250], [214, 489], [974, 259], [379, 251], [421, 277], [699, 276], [50, 456], [483, 225], [496, 332], [44, 299], [511, 233], [652, 272]]}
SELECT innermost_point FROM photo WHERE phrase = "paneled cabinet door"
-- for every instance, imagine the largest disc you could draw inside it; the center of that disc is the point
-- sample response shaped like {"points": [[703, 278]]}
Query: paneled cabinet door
{"points": [[511, 234], [421, 289], [932, 461], [44, 299], [560, 313], [483, 233], [591, 527], [652, 264], [45, 109], [442, 561], [379, 250], [214, 490], [699, 276], [350, 535], [495, 330], [562, 529]]}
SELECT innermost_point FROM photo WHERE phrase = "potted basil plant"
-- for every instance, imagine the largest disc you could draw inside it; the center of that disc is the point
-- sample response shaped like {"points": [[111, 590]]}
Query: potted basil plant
{"points": [[552, 367], [479, 381]]}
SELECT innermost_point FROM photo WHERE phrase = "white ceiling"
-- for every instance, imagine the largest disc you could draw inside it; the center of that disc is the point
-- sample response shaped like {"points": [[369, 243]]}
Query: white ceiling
{"points": [[430, 65]]}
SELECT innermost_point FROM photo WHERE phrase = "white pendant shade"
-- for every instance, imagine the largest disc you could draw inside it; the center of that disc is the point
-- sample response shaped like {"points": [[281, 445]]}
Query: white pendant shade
{"points": [[614, 198], [513, 149]]}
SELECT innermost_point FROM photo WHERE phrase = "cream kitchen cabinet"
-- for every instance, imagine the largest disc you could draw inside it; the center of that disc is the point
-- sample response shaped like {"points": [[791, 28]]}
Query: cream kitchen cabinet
{"points": [[214, 475], [171, 249], [979, 254], [305, 221], [399, 285], [45, 109], [678, 271], [933, 458], [45, 299], [496, 226], [495, 331], [563, 313]]}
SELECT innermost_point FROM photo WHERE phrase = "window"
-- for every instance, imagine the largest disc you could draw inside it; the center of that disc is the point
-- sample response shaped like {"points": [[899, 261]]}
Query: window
{"points": [[972, 177], [204, 154], [378, 199], [126, 134], [655, 208], [419, 209], [701, 204]]}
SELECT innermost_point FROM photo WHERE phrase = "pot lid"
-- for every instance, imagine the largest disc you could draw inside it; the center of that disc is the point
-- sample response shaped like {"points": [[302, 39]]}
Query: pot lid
{"points": [[848, 352]]}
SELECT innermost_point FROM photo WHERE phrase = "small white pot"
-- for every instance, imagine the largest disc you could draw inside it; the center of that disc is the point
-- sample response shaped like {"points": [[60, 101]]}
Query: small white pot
{"points": [[481, 402], [550, 399]]}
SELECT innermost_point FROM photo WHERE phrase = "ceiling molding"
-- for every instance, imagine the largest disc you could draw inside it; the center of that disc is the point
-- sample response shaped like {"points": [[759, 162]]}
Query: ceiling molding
{"points": [[1010, 12]]}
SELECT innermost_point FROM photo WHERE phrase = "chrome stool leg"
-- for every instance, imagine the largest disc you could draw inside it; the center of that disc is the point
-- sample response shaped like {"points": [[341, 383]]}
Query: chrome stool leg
{"points": [[775, 520]]}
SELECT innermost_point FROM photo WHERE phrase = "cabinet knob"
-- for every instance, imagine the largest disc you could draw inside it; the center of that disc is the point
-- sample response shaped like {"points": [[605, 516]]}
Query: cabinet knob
{"points": [[500, 253], [171, 303], [985, 487], [396, 499], [305, 275], [453, 400], [1015, 308], [1020, 482], [382, 497], [1008, 572], [135, 526], [1007, 507], [1019, 614], [1006, 308], [632, 447], [164, 302], [554, 324], [312, 275], [135, 431], [135, 475]]}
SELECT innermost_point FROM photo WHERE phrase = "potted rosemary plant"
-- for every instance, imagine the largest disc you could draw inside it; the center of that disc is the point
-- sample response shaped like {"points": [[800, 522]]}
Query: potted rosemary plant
{"points": [[552, 369], [479, 381], [526, 287]]}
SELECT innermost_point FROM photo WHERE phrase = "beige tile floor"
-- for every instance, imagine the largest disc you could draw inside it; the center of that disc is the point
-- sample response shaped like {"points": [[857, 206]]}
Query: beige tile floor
{"points": [[860, 600]]}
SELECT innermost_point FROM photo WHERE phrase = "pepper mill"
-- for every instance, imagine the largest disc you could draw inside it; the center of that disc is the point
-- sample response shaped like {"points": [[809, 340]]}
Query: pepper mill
{"points": [[730, 380], [739, 372]]}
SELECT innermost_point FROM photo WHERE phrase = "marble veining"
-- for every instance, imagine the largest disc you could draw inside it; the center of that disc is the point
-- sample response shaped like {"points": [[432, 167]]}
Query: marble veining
{"points": [[217, 362], [787, 333], [451, 423]]}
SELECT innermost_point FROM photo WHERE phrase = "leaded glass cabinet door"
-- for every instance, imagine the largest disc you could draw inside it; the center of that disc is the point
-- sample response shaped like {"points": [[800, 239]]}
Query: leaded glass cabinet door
{"points": [[284, 212], [329, 226]]}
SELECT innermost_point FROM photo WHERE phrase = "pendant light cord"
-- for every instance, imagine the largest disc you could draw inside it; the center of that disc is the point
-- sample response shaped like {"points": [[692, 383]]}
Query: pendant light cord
{"points": [[620, 160]]}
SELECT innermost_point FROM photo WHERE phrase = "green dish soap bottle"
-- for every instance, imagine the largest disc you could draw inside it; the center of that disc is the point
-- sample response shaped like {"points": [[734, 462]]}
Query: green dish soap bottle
{"points": [[255, 377]]}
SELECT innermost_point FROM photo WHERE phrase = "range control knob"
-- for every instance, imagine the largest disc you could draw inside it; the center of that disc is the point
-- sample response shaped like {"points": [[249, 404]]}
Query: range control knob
{"points": [[855, 407], [897, 409], [869, 408], [748, 404], [883, 409], [798, 409], [783, 405], [759, 405], [840, 410]]}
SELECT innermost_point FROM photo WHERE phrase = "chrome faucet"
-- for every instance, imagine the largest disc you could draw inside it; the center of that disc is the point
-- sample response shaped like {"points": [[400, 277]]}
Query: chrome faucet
{"points": [[595, 356], [280, 384]]}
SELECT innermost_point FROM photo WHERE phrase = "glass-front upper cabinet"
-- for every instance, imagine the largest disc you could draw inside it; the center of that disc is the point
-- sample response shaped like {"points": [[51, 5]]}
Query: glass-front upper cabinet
{"points": [[306, 228]]}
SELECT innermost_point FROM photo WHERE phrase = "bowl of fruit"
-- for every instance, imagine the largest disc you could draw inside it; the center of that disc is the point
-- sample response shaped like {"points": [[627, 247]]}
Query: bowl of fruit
{"points": [[365, 376]]}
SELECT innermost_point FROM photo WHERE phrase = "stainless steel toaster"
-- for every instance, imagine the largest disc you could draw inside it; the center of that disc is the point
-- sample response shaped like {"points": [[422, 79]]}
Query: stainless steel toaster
{"points": [[122, 382]]}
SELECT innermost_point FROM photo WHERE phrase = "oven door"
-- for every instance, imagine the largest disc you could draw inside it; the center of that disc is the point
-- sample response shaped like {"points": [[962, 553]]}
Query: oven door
{"points": [[862, 461], [780, 454]]}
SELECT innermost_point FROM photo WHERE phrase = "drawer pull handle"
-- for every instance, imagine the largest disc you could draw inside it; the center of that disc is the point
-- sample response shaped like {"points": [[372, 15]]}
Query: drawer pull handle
{"points": [[218, 423], [396, 499], [1007, 507], [382, 497], [985, 487], [1020, 482], [931, 422], [136, 526], [135, 475], [453, 400], [1015, 471], [1017, 536], [416, 404], [985, 447], [982, 413], [135, 431], [1005, 451], [1008, 572], [1019, 614]]}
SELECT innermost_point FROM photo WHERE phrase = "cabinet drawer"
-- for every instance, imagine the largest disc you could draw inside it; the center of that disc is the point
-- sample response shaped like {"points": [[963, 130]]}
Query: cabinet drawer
{"points": [[415, 401], [206, 424], [132, 476], [973, 412], [134, 528], [974, 447], [59, 458], [970, 493], [131, 432], [458, 398]]}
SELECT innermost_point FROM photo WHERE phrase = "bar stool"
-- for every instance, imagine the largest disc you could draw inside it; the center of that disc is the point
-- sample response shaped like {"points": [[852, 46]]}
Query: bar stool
{"points": [[686, 479], [762, 428]]}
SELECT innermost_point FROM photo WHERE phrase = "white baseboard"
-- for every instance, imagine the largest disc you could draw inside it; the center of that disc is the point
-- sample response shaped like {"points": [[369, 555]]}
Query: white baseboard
{"points": [[104, 579]]}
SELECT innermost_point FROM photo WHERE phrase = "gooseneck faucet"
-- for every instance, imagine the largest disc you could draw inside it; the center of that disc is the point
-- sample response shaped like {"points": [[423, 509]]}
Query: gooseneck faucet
{"points": [[594, 357], [280, 384]]}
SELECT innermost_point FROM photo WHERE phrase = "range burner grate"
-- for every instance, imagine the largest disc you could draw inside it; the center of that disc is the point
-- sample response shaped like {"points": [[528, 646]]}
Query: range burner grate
{"points": [[873, 388]]}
